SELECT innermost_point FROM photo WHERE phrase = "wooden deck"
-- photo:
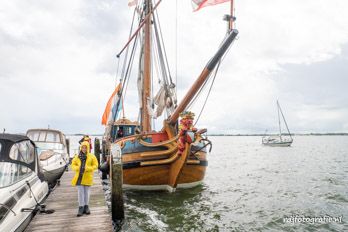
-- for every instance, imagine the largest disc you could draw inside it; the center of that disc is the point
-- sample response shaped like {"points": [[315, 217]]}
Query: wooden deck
{"points": [[64, 201]]}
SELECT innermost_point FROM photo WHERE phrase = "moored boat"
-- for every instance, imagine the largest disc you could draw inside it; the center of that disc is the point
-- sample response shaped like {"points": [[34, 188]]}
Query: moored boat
{"points": [[280, 140], [53, 149], [176, 155], [22, 186]]}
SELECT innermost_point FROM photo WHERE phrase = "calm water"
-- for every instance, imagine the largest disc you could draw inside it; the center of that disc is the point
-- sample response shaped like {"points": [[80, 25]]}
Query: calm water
{"points": [[249, 187]]}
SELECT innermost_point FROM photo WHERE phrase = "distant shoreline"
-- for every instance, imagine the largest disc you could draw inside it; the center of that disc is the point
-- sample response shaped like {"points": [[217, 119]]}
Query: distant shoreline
{"points": [[295, 134]]}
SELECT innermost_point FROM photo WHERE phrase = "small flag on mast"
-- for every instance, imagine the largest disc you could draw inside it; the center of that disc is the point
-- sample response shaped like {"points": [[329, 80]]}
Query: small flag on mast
{"points": [[132, 3], [199, 4]]}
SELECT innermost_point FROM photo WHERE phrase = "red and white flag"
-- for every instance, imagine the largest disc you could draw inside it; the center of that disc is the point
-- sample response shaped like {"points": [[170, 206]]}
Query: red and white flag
{"points": [[199, 4], [132, 3]]}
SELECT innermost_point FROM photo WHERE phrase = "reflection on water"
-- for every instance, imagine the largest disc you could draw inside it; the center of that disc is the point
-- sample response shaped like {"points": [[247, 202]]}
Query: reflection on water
{"points": [[249, 187]]}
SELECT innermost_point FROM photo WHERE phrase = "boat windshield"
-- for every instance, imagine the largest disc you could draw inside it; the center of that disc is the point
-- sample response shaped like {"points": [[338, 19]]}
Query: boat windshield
{"points": [[58, 147], [44, 136], [11, 173]]}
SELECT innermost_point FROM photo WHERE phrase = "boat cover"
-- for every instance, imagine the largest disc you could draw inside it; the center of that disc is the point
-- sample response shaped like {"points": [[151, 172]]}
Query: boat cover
{"points": [[7, 141]]}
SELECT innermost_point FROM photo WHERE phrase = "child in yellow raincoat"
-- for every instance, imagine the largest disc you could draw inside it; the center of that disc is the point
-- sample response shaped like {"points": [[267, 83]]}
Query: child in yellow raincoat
{"points": [[84, 164]]}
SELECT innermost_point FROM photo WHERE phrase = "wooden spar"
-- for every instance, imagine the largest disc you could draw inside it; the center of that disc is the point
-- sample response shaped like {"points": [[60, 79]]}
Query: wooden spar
{"points": [[232, 16], [138, 29], [145, 117], [203, 77]]}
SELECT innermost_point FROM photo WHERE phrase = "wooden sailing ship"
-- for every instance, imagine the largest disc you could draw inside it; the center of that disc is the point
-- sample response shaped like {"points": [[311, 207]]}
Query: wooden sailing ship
{"points": [[175, 156]]}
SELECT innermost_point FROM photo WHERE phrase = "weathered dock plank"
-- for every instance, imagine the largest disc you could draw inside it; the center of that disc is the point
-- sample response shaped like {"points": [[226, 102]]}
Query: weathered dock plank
{"points": [[64, 201]]}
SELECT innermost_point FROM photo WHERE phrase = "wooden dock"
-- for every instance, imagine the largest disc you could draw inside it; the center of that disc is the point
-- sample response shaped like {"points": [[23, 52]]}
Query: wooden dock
{"points": [[64, 201]]}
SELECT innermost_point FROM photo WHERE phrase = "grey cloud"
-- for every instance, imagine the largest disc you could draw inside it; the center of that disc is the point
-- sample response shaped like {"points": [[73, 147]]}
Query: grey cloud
{"points": [[322, 83]]}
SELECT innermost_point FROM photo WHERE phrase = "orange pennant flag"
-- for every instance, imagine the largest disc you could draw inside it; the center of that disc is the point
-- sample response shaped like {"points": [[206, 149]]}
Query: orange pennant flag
{"points": [[109, 105]]}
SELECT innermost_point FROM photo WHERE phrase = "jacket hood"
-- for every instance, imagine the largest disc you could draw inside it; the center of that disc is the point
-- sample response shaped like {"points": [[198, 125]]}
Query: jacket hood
{"points": [[85, 143]]}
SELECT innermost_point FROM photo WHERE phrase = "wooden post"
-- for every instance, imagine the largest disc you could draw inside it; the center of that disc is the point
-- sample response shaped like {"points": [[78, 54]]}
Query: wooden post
{"points": [[97, 150], [117, 208], [103, 160]]}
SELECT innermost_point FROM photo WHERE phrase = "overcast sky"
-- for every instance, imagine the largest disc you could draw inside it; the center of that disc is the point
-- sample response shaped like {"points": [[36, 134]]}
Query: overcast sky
{"points": [[58, 63]]}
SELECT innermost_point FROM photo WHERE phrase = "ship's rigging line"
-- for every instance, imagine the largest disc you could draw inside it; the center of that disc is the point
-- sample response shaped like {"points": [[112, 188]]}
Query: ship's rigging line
{"points": [[163, 65], [160, 53], [162, 59], [209, 91], [208, 94], [213, 80], [127, 50], [194, 100], [123, 68], [138, 29], [125, 76], [162, 45]]}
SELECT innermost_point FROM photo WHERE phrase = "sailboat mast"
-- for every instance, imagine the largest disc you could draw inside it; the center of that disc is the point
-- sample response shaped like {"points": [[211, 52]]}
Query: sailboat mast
{"points": [[280, 128], [145, 116], [286, 124]]}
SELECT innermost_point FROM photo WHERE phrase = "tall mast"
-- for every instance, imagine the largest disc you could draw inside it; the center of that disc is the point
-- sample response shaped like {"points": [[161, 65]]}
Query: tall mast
{"points": [[232, 16], [280, 129], [286, 124], [145, 117]]}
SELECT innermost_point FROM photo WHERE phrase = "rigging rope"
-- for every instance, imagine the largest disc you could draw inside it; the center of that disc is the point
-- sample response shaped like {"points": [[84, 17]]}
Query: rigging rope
{"points": [[118, 66], [211, 86], [209, 91], [161, 45], [125, 71], [126, 56]]}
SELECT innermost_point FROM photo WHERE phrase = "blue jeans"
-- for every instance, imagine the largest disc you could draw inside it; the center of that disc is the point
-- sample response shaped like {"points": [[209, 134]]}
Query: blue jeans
{"points": [[83, 194]]}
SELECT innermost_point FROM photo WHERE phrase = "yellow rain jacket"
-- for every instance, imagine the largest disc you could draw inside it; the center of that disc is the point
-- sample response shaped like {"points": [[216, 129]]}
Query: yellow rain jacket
{"points": [[90, 167]]}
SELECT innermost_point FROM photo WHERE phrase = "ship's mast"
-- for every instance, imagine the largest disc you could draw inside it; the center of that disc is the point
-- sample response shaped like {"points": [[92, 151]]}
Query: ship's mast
{"points": [[280, 128], [232, 16], [145, 117]]}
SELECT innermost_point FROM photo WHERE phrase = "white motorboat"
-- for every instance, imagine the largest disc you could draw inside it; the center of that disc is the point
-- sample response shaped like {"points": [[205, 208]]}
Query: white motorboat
{"points": [[22, 186], [53, 152], [281, 140]]}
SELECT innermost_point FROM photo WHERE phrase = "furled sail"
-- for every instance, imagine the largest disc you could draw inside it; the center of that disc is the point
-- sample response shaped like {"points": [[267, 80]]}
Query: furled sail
{"points": [[163, 100], [160, 101]]}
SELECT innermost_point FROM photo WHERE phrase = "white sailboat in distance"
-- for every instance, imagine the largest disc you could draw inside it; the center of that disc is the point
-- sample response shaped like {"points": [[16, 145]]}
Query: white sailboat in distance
{"points": [[279, 140]]}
